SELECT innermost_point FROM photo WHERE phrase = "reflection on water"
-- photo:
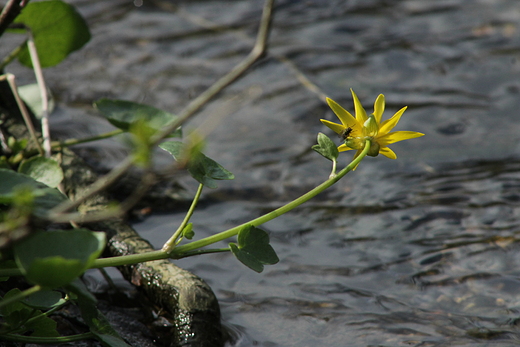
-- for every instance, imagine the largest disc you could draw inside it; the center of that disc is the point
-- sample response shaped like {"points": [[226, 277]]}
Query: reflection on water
{"points": [[434, 265], [421, 251]]}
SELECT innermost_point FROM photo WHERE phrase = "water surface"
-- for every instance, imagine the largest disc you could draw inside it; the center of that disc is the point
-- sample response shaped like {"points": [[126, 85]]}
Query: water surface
{"points": [[421, 251]]}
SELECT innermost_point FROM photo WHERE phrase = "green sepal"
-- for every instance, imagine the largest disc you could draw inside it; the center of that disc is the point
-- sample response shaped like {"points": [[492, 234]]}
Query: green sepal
{"points": [[326, 147], [58, 30], [253, 249], [201, 168]]}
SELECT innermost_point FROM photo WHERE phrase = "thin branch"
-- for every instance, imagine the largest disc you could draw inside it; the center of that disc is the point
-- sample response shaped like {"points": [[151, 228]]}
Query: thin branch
{"points": [[257, 52], [206, 24], [23, 110], [9, 12], [11, 56], [43, 94]]}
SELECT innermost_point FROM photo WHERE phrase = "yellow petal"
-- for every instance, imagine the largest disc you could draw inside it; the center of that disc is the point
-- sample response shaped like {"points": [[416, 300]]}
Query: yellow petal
{"points": [[397, 136], [337, 128], [392, 122], [387, 152], [379, 107], [344, 116], [361, 114], [343, 148]]}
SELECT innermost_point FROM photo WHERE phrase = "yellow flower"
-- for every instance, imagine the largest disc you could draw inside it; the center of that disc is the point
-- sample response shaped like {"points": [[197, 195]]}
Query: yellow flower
{"points": [[356, 130]]}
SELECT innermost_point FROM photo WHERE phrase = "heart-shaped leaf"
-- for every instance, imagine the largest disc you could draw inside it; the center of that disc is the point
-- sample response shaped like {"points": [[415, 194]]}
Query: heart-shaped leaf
{"points": [[123, 114], [44, 299], [45, 198], [326, 147], [58, 29], [54, 258], [201, 168], [253, 248], [31, 94], [44, 170], [18, 315]]}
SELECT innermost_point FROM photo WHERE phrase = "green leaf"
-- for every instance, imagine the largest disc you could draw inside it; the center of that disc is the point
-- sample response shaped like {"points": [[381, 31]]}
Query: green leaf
{"points": [[253, 248], [44, 299], [122, 114], [201, 168], [45, 198], [32, 96], [206, 170], [43, 326], [99, 324], [18, 316], [188, 232], [44, 170], [175, 148], [15, 312], [54, 258], [58, 30], [326, 147]]}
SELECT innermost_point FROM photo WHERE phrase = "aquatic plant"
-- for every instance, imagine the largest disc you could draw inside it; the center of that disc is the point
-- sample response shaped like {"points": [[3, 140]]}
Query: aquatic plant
{"points": [[32, 202]]}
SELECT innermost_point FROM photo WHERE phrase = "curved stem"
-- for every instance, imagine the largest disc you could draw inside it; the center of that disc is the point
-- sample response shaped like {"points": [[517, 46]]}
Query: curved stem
{"points": [[334, 165], [47, 340], [170, 244], [180, 251], [72, 142]]}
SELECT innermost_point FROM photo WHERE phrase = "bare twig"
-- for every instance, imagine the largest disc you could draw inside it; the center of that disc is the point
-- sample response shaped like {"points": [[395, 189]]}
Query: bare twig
{"points": [[43, 94], [257, 52], [9, 12], [23, 110], [11, 56], [147, 180], [206, 24]]}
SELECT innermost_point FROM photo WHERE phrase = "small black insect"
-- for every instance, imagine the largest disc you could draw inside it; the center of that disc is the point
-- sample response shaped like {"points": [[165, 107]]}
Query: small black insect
{"points": [[345, 133]]}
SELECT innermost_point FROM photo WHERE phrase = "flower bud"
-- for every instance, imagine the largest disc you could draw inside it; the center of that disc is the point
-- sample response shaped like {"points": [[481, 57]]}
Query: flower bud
{"points": [[374, 149], [370, 128]]}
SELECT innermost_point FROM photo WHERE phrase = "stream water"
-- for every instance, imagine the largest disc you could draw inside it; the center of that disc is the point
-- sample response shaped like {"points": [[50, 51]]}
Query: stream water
{"points": [[420, 251]]}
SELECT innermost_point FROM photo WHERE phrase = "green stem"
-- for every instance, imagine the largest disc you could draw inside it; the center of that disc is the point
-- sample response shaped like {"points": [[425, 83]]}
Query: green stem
{"points": [[20, 295], [334, 164], [170, 244], [47, 340], [12, 56], [192, 248], [205, 251], [181, 251], [129, 259], [71, 142]]}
